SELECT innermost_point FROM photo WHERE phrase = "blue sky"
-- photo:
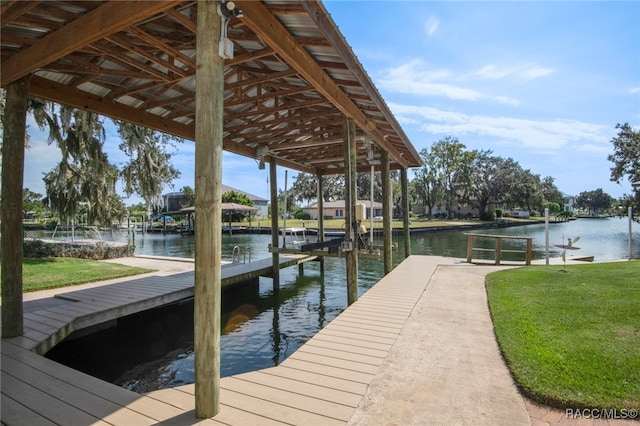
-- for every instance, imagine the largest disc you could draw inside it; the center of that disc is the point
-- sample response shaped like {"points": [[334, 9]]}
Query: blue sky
{"points": [[541, 82]]}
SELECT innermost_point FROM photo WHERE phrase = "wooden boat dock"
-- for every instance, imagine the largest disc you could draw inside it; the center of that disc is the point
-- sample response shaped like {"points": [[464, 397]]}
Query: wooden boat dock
{"points": [[321, 383], [449, 371], [45, 328]]}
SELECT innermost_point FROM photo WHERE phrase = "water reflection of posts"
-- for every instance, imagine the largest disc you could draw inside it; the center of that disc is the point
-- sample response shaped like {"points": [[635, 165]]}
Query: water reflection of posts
{"points": [[275, 329], [321, 302]]}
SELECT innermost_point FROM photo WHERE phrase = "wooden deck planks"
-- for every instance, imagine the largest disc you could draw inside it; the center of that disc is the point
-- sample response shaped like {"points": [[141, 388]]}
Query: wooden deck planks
{"points": [[271, 411], [287, 398], [343, 355], [97, 305], [14, 413], [346, 365], [313, 390], [71, 395], [183, 397], [63, 388], [47, 406], [323, 369], [341, 384], [359, 333], [320, 384], [359, 350], [338, 339]]}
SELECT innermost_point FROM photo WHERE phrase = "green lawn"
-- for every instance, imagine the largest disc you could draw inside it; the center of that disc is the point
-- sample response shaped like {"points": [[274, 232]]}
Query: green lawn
{"points": [[41, 274], [571, 337]]}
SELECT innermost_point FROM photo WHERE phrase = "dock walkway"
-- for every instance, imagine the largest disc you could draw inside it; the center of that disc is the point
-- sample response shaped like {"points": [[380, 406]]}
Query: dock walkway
{"points": [[75, 310], [417, 348]]}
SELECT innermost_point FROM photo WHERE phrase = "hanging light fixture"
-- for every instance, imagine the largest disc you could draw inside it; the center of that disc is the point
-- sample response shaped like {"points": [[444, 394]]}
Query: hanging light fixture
{"points": [[227, 10]]}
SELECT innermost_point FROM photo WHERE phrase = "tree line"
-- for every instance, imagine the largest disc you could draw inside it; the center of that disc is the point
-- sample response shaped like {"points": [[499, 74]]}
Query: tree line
{"points": [[84, 181], [450, 176]]}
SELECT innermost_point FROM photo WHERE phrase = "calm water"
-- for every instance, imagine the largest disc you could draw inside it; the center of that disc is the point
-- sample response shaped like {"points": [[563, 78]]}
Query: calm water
{"points": [[154, 350], [605, 239]]}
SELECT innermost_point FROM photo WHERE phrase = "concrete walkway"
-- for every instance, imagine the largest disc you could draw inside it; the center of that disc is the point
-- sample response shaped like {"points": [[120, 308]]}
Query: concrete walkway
{"points": [[445, 368]]}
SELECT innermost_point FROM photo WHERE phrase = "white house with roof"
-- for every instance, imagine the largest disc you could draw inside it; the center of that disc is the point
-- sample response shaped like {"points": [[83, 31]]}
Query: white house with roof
{"points": [[173, 201], [336, 210], [569, 201]]}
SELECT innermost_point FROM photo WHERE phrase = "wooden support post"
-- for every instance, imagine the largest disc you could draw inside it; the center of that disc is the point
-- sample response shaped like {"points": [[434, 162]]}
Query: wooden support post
{"points": [[208, 195], [498, 250], [273, 186], [386, 212], [469, 247], [404, 181], [15, 128], [527, 256], [349, 208], [321, 216]]}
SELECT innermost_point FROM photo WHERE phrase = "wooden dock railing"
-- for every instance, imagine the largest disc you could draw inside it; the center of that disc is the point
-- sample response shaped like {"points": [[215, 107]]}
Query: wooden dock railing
{"points": [[498, 247]]}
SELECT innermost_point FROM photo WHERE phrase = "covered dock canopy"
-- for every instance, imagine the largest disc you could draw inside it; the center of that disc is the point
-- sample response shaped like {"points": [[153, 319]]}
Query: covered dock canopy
{"points": [[284, 88], [291, 80]]}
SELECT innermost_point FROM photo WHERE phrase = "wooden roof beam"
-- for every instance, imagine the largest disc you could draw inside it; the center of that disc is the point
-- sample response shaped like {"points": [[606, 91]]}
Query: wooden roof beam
{"points": [[260, 20], [249, 56], [122, 42], [91, 27], [14, 9], [117, 56], [182, 19], [265, 96], [47, 89], [267, 75], [317, 12]]}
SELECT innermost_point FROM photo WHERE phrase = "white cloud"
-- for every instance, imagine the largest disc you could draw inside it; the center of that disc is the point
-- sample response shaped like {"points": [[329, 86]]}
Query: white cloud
{"points": [[506, 100], [526, 72], [415, 78], [431, 26], [537, 135], [602, 150], [635, 90]]}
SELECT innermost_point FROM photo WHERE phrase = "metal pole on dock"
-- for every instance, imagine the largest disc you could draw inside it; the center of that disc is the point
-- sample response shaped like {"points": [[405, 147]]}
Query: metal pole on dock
{"points": [[546, 235]]}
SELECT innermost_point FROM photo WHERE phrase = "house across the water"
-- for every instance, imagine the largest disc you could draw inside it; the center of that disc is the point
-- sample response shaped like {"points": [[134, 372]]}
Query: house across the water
{"points": [[335, 210], [174, 201]]}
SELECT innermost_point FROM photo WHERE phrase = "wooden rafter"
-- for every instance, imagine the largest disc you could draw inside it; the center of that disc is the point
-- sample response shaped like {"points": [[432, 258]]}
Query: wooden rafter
{"points": [[292, 80], [98, 23], [264, 24]]}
